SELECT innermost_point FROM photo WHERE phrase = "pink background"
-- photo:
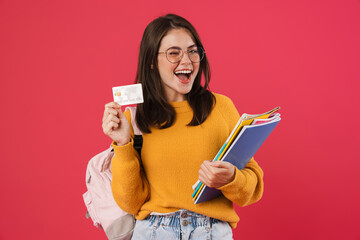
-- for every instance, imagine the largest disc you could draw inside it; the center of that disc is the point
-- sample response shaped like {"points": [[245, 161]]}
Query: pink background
{"points": [[59, 60]]}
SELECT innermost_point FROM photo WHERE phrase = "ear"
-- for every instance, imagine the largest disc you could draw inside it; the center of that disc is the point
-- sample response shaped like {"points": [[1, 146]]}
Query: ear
{"points": [[152, 66]]}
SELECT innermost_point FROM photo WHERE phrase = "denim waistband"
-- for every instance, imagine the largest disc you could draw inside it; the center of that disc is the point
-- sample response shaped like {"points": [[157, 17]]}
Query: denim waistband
{"points": [[182, 218]]}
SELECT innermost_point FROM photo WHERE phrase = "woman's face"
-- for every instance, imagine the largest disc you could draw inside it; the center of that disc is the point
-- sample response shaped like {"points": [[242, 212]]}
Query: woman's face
{"points": [[177, 78]]}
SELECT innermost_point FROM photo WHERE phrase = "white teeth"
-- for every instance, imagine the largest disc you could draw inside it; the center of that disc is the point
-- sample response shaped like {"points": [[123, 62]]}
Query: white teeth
{"points": [[183, 71]]}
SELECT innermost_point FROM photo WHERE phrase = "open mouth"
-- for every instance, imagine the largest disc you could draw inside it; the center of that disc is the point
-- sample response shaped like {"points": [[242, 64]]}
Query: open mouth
{"points": [[183, 75]]}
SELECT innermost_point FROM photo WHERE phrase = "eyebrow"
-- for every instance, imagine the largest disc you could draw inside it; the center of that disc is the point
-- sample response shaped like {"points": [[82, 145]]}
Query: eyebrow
{"points": [[176, 47]]}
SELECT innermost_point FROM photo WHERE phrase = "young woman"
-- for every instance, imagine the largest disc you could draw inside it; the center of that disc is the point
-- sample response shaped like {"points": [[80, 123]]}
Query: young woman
{"points": [[184, 125]]}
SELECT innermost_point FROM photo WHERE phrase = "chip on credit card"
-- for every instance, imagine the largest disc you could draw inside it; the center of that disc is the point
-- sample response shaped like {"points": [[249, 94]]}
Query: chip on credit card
{"points": [[129, 94]]}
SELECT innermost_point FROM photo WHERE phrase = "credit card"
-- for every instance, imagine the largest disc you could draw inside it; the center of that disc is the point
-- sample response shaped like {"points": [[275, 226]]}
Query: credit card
{"points": [[129, 94]]}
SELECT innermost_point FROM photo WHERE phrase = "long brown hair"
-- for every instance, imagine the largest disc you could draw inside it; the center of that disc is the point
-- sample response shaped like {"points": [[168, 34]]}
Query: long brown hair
{"points": [[156, 111]]}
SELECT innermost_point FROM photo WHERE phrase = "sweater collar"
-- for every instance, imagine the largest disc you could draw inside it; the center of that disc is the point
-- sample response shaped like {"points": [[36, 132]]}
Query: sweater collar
{"points": [[181, 107]]}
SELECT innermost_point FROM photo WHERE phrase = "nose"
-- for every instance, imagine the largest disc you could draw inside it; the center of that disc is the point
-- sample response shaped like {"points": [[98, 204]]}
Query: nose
{"points": [[185, 59]]}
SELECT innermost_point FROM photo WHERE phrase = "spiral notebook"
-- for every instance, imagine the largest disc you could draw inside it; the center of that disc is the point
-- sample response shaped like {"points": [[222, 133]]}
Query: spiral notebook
{"points": [[246, 138]]}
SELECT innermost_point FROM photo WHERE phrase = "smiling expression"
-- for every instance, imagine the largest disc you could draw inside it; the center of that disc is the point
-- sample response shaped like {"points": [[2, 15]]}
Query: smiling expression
{"points": [[177, 78]]}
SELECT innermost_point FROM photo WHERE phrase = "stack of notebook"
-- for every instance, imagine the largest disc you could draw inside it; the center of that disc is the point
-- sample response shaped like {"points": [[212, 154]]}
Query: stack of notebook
{"points": [[246, 138]]}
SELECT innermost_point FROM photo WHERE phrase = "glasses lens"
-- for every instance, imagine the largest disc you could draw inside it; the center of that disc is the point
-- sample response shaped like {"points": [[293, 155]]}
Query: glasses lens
{"points": [[174, 55], [196, 55]]}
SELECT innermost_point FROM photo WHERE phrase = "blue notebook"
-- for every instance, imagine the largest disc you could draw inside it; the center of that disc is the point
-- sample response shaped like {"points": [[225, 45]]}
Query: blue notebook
{"points": [[244, 147]]}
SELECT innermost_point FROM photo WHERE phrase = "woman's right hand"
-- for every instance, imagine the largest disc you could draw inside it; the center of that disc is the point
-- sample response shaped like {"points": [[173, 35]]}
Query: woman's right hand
{"points": [[115, 124]]}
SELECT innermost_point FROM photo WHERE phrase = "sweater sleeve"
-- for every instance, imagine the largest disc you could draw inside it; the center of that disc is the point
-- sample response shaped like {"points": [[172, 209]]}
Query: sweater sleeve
{"points": [[129, 185], [228, 110], [247, 187]]}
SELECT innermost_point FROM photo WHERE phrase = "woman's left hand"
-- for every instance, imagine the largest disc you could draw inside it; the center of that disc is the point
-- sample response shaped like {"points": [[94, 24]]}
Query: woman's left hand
{"points": [[215, 174]]}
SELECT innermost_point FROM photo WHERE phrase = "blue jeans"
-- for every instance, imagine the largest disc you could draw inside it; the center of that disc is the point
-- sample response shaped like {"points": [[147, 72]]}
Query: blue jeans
{"points": [[182, 225]]}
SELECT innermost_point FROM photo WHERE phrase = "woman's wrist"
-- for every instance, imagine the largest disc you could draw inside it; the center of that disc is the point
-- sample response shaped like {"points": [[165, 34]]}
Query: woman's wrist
{"points": [[122, 142]]}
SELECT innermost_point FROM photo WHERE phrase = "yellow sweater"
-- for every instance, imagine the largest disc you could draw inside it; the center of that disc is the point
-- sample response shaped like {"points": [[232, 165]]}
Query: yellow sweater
{"points": [[172, 157]]}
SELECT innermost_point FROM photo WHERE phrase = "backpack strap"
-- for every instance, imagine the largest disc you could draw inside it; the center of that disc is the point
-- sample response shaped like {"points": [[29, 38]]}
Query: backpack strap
{"points": [[138, 140]]}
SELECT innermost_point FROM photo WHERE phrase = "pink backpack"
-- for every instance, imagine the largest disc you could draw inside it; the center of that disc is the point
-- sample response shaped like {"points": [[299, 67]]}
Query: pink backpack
{"points": [[101, 206]]}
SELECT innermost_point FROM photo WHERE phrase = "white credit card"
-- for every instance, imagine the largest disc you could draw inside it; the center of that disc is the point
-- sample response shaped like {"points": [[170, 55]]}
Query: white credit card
{"points": [[129, 94]]}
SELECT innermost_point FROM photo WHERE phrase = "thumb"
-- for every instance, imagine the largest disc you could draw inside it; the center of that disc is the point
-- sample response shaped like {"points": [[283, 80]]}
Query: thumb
{"points": [[216, 164], [221, 164], [121, 113]]}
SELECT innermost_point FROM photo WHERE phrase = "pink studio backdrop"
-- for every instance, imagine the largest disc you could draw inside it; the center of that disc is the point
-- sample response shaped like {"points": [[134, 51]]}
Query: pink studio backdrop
{"points": [[59, 60]]}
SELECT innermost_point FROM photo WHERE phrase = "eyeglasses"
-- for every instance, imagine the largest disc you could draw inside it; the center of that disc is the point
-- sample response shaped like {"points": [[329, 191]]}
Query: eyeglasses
{"points": [[175, 54]]}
